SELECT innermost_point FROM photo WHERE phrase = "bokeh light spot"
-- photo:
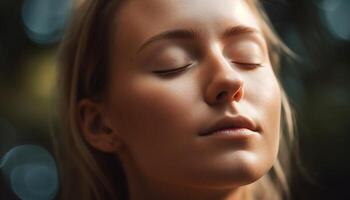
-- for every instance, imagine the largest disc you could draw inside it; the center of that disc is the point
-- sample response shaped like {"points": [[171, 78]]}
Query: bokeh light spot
{"points": [[33, 182], [337, 17], [45, 20], [31, 172], [328, 5]]}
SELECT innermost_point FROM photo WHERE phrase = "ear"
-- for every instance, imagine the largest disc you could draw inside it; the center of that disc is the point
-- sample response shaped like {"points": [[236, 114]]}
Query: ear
{"points": [[95, 127]]}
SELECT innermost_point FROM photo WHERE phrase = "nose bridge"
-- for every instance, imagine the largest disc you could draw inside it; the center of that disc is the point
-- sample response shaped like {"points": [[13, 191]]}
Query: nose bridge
{"points": [[218, 63], [226, 83]]}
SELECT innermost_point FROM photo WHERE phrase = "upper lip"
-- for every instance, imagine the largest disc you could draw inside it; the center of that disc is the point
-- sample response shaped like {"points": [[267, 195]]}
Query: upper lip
{"points": [[231, 123]]}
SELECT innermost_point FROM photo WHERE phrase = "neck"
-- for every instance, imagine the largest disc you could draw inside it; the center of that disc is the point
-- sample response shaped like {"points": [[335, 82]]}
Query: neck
{"points": [[170, 192], [140, 188]]}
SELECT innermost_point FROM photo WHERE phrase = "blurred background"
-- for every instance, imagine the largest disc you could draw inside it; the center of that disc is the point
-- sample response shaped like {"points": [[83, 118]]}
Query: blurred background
{"points": [[317, 82]]}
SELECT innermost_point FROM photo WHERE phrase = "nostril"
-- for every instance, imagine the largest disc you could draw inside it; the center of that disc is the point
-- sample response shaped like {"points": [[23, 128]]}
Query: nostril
{"points": [[221, 95]]}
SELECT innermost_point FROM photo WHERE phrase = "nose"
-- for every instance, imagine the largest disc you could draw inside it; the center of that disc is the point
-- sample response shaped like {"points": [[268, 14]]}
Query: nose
{"points": [[225, 83]]}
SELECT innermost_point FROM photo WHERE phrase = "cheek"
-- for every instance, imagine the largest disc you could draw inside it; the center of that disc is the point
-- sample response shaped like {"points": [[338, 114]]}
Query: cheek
{"points": [[264, 95], [151, 112]]}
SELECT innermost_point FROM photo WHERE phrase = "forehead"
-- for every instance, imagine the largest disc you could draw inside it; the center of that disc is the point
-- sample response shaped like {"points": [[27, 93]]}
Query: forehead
{"points": [[141, 19], [158, 13]]}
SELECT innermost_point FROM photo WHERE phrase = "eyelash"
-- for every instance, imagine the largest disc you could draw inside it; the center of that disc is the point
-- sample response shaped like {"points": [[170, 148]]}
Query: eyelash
{"points": [[250, 65], [172, 71], [184, 68]]}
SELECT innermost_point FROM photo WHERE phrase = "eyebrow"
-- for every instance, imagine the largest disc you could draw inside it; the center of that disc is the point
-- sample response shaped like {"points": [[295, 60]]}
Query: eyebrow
{"points": [[239, 30], [190, 34]]}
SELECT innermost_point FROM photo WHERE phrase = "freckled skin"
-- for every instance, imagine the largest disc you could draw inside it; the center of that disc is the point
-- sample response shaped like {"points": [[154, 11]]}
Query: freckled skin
{"points": [[158, 118]]}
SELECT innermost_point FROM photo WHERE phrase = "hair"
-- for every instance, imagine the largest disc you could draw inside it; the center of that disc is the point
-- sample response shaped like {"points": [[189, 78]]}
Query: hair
{"points": [[86, 173]]}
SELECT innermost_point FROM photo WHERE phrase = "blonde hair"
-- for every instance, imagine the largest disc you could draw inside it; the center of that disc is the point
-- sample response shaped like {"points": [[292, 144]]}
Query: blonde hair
{"points": [[88, 174]]}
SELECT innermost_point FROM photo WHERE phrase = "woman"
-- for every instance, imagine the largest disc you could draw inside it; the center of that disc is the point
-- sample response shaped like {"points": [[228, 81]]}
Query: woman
{"points": [[172, 100]]}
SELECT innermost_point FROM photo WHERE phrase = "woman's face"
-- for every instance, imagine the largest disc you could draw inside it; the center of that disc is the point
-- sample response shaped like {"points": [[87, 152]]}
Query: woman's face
{"points": [[178, 68]]}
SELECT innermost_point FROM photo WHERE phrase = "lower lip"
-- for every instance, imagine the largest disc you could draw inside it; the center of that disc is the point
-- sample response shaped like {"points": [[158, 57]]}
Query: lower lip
{"points": [[237, 133]]}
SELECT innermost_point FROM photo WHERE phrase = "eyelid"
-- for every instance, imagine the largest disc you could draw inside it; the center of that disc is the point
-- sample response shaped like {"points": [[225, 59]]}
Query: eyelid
{"points": [[173, 70], [249, 64]]}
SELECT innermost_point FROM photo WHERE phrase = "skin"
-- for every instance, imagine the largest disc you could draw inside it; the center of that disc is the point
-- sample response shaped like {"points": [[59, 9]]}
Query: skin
{"points": [[151, 121]]}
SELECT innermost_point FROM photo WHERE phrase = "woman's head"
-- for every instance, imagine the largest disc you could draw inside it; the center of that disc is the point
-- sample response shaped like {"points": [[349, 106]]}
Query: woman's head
{"points": [[144, 82]]}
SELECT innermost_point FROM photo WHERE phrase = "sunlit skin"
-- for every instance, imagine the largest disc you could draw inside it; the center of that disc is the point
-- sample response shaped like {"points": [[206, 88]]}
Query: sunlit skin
{"points": [[157, 116]]}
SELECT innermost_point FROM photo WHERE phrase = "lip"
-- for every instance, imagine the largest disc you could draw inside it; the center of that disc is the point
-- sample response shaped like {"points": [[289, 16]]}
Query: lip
{"points": [[238, 126]]}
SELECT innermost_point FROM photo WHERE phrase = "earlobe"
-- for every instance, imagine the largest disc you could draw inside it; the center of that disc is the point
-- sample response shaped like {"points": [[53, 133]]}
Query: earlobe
{"points": [[106, 145], [95, 129]]}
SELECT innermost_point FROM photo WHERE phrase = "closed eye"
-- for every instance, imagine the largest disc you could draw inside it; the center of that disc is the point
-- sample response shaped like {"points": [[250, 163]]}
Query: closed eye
{"points": [[172, 71], [248, 64]]}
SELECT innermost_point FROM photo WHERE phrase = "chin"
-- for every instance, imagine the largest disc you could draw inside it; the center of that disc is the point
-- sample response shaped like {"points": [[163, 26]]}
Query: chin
{"points": [[249, 166], [241, 169]]}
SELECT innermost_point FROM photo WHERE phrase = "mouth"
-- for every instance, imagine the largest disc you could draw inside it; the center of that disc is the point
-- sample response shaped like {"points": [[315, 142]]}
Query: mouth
{"points": [[232, 126]]}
